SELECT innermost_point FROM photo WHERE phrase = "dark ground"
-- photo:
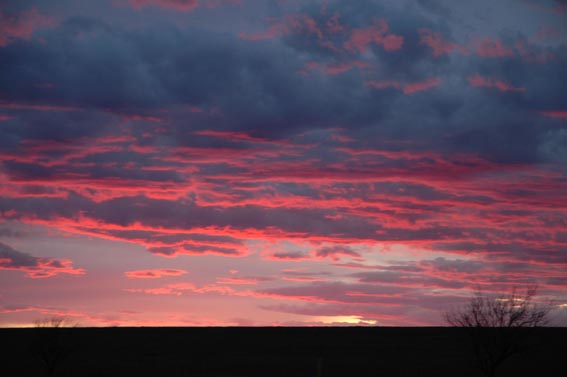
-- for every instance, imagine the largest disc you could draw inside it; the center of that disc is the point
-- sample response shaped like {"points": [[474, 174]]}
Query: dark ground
{"points": [[266, 352]]}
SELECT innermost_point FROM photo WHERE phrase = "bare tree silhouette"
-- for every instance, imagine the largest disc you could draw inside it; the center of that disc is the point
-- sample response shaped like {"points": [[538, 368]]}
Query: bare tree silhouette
{"points": [[499, 325], [52, 346], [54, 322]]}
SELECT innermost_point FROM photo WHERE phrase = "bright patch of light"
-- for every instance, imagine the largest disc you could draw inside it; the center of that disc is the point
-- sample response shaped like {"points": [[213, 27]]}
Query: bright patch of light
{"points": [[346, 319]]}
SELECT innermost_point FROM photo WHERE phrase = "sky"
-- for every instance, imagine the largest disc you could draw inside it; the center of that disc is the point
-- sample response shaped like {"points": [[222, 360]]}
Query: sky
{"points": [[279, 162]]}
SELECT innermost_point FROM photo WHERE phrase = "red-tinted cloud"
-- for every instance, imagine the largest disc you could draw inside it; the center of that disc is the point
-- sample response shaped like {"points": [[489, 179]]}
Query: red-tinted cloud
{"points": [[361, 38], [357, 39], [178, 289], [242, 280], [438, 45], [290, 24], [414, 87], [70, 317], [559, 114], [22, 25], [154, 273], [181, 5], [37, 107], [334, 68], [493, 48], [487, 82], [34, 267], [219, 155], [405, 87]]}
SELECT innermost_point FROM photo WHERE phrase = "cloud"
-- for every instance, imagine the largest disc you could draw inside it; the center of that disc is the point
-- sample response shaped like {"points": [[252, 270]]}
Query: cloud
{"points": [[555, 114], [360, 38], [242, 280], [334, 68], [288, 25], [180, 5], [493, 48], [439, 46], [154, 273], [407, 87], [293, 133], [21, 25], [336, 252], [455, 265], [554, 145], [34, 267], [487, 82], [179, 289], [288, 255], [333, 292]]}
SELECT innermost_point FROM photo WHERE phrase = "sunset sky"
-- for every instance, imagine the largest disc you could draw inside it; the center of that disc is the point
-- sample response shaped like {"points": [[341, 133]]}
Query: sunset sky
{"points": [[279, 162]]}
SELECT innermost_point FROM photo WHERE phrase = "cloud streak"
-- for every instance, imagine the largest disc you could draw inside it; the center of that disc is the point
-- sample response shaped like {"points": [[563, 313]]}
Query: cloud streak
{"points": [[34, 267]]}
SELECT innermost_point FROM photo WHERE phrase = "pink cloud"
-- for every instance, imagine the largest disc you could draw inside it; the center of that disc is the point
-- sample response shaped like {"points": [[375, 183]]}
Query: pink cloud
{"points": [[559, 114], [400, 217], [303, 279], [144, 118], [179, 289], [493, 48], [37, 107], [35, 267], [247, 280], [361, 38], [312, 27], [181, 5], [291, 24], [487, 82], [392, 42], [334, 68], [170, 289], [154, 273], [71, 316], [21, 26], [405, 87], [438, 45], [414, 87]]}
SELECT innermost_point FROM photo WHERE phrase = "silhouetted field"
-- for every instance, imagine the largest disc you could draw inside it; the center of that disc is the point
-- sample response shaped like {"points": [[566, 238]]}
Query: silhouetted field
{"points": [[266, 352]]}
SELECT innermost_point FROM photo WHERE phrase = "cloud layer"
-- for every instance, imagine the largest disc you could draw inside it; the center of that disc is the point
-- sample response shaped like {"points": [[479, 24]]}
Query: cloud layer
{"points": [[400, 156]]}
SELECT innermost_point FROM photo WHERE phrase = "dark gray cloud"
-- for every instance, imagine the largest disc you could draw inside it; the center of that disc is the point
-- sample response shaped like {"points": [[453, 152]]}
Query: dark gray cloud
{"points": [[92, 64], [16, 259]]}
